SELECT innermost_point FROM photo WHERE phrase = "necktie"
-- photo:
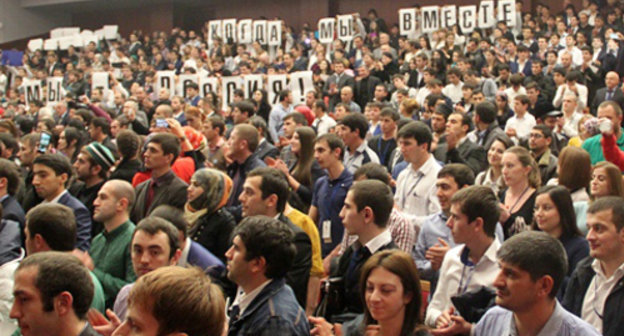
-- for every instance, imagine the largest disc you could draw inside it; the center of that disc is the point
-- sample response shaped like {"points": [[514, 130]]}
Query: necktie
{"points": [[149, 198], [609, 95], [356, 260], [233, 313]]}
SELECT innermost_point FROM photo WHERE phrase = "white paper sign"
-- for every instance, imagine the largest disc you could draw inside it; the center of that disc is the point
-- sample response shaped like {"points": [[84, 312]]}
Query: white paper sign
{"points": [[448, 16], [260, 31], [55, 89], [208, 84], [430, 19], [228, 86], [300, 83], [467, 18], [326, 30], [99, 79], [50, 44], [407, 21], [345, 27], [274, 33], [35, 44], [110, 32], [507, 12], [214, 31], [165, 80], [183, 82], [32, 91], [244, 31], [251, 83], [276, 83], [486, 14], [229, 30]]}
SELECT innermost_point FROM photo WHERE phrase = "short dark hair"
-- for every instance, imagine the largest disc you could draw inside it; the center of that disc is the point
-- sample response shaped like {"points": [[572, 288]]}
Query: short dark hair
{"points": [[546, 131], [172, 215], [391, 113], [128, 143], [418, 131], [461, 173], [486, 112], [319, 103], [57, 162], [102, 123], [268, 238], [537, 253], [55, 223], [152, 225], [169, 143], [375, 195], [613, 203], [273, 182], [297, 117], [10, 171], [59, 272], [355, 121], [283, 95], [372, 171], [479, 201], [217, 122], [245, 107], [333, 141]]}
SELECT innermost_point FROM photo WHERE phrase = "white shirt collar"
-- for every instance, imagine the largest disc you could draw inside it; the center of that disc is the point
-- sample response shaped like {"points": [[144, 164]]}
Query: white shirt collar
{"points": [[244, 299], [57, 198], [376, 243]]}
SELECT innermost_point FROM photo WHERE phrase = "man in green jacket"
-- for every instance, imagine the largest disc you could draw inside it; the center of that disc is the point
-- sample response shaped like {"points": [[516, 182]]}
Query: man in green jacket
{"points": [[608, 110]]}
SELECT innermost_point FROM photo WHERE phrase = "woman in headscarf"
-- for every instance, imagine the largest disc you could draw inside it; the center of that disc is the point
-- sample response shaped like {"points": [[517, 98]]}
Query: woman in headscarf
{"points": [[209, 223]]}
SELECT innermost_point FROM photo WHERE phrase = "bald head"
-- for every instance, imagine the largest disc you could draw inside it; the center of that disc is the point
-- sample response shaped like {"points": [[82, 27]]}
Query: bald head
{"points": [[122, 189], [163, 111], [346, 94], [612, 79]]}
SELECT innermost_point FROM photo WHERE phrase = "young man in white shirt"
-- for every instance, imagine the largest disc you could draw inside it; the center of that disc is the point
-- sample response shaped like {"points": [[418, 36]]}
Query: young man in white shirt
{"points": [[519, 126], [472, 263]]}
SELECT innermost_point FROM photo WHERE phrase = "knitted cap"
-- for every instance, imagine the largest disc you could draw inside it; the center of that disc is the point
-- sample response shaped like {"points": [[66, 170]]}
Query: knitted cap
{"points": [[101, 155]]}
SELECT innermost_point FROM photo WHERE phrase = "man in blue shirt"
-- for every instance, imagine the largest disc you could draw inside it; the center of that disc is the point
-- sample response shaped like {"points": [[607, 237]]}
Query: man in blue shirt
{"points": [[532, 267], [278, 113], [330, 191]]}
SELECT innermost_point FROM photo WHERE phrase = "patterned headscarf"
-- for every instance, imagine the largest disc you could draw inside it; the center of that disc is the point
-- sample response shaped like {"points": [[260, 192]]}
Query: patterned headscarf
{"points": [[217, 188]]}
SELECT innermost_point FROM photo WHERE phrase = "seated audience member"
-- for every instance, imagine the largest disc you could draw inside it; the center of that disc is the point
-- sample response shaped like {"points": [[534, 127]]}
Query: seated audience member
{"points": [[109, 257], [472, 263], [51, 173], [193, 254], [53, 291], [458, 148], [522, 178], [435, 237], [164, 187], [173, 300], [595, 291], [554, 214], [52, 227], [265, 148], [519, 126], [574, 170], [540, 138], [128, 145], [532, 269], [265, 192], [261, 254], [611, 111], [487, 129], [606, 180], [365, 213], [493, 176], [395, 310], [11, 209], [209, 223]]}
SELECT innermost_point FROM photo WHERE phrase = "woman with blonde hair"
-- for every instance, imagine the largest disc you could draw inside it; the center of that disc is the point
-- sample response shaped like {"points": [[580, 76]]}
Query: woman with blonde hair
{"points": [[409, 109], [522, 177]]}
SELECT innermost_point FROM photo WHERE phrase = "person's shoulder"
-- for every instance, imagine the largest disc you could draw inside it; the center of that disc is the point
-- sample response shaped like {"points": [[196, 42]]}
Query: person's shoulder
{"points": [[574, 325], [494, 316]]}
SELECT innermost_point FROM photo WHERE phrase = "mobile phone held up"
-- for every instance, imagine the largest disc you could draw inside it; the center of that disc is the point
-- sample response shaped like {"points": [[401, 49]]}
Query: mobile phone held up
{"points": [[44, 142], [162, 123]]}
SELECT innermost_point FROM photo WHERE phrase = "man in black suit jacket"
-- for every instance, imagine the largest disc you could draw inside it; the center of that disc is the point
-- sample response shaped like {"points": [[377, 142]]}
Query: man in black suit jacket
{"points": [[611, 92], [9, 181], [458, 148], [265, 148], [365, 86], [265, 192], [336, 82], [365, 213]]}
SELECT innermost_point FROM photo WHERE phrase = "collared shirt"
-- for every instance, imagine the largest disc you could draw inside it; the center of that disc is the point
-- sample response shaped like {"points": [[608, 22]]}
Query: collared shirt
{"points": [[523, 126], [433, 227], [570, 125], [275, 120], [500, 321], [416, 191], [243, 300], [458, 276], [401, 230], [379, 241], [363, 154], [323, 124], [453, 91], [57, 198], [597, 293]]}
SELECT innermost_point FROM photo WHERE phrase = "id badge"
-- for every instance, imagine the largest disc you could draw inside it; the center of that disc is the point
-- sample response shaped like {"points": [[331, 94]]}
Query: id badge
{"points": [[326, 231]]}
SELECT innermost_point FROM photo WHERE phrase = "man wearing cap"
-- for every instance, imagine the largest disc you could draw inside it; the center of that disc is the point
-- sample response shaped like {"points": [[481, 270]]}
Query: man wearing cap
{"points": [[92, 166]]}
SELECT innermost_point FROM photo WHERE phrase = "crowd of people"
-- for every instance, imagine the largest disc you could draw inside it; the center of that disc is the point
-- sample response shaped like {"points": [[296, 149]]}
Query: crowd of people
{"points": [[431, 184]]}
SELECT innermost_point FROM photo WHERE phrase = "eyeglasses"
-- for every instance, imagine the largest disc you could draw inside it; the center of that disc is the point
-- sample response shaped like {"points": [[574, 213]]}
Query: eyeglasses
{"points": [[536, 135]]}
